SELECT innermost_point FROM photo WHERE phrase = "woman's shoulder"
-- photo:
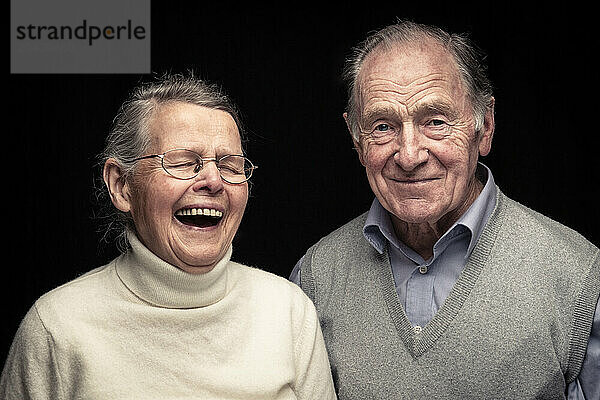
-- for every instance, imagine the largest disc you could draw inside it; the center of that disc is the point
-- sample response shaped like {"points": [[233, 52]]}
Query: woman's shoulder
{"points": [[275, 297], [74, 296], [269, 283]]}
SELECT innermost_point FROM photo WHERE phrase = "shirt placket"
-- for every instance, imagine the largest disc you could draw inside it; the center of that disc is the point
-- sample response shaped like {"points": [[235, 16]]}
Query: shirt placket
{"points": [[419, 297]]}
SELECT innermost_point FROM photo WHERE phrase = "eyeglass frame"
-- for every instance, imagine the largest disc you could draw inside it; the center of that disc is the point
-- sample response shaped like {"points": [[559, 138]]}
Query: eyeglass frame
{"points": [[202, 159]]}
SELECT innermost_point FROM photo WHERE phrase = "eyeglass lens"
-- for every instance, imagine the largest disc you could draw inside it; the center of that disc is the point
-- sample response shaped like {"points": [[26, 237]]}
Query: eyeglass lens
{"points": [[186, 164]]}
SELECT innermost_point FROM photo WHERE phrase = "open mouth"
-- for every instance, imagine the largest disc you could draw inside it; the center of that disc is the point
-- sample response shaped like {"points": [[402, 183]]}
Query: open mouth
{"points": [[199, 217]]}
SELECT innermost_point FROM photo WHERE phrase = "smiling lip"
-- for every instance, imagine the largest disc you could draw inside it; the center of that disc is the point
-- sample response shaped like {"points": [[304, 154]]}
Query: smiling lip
{"points": [[412, 181]]}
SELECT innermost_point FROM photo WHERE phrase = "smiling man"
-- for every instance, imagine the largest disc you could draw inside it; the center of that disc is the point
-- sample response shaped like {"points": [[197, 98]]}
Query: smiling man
{"points": [[446, 288]]}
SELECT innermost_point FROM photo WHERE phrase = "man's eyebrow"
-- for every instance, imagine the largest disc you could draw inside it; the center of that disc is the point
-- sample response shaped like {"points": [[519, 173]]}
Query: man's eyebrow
{"points": [[431, 108], [374, 113], [419, 111]]}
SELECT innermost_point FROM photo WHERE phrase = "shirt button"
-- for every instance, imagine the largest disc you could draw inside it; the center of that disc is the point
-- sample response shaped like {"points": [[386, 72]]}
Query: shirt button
{"points": [[417, 329], [423, 269]]}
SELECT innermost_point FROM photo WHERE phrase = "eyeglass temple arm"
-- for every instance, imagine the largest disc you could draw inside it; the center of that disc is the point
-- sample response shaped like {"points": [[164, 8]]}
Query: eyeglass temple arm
{"points": [[149, 156]]}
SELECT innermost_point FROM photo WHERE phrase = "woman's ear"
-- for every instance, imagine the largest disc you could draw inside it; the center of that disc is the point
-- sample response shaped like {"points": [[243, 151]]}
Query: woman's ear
{"points": [[118, 188]]}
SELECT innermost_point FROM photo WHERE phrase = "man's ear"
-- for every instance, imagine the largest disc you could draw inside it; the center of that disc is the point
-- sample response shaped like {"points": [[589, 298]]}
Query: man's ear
{"points": [[356, 143], [117, 186], [487, 131]]}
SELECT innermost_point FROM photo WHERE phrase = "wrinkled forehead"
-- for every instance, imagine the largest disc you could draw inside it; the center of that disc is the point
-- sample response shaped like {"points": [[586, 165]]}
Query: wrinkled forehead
{"points": [[187, 125], [403, 69]]}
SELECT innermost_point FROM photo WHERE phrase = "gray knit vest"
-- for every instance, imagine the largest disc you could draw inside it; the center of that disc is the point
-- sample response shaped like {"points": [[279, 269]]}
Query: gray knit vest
{"points": [[515, 325]]}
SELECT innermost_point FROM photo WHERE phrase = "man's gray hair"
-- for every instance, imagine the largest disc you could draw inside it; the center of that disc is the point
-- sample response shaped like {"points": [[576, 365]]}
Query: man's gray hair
{"points": [[129, 136], [469, 60]]}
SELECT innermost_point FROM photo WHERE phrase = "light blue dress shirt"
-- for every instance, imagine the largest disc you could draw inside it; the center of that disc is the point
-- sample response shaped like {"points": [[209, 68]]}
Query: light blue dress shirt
{"points": [[423, 285]]}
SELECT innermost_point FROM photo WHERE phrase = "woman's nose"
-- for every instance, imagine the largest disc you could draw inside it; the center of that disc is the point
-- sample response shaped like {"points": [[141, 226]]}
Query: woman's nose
{"points": [[209, 178]]}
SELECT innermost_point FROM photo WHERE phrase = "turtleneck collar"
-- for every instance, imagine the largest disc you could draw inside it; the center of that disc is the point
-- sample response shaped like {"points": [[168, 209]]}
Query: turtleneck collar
{"points": [[163, 285]]}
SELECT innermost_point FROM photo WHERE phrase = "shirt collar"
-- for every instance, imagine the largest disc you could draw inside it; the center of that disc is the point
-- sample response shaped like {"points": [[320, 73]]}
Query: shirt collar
{"points": [[379, 231], [475, 218]]}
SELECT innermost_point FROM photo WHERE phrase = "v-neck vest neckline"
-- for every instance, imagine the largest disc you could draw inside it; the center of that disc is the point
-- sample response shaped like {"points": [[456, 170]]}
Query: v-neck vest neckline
{"points": [[418, 342]]}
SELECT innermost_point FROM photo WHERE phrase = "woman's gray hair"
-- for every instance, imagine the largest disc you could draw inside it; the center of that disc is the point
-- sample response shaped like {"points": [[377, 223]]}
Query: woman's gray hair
{"points": [[469, 60], [129, 136]]}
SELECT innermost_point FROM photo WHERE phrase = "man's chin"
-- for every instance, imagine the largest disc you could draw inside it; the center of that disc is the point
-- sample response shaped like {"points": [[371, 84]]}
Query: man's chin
{"points": [[414, 211]]}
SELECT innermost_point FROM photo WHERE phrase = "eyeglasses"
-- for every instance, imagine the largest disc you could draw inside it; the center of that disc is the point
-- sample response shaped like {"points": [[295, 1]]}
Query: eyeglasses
{"points": [[186, 164]]}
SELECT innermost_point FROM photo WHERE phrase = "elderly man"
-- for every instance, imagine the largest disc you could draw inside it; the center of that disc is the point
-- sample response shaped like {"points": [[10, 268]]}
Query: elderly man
{"points": [[446, 288]]}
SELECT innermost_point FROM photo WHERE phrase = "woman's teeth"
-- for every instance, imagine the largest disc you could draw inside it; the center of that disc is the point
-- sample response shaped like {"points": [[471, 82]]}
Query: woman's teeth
{"points": [[210, 212], [199, 217]]}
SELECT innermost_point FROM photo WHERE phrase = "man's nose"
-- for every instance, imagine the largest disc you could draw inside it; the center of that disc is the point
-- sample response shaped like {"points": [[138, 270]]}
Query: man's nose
{"points": [[209, 177], [410, 150]]}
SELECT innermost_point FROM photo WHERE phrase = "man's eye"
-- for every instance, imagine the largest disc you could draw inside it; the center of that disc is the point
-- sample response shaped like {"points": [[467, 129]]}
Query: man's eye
{"points": [[436, 128], [437, 122], [382, 128]]}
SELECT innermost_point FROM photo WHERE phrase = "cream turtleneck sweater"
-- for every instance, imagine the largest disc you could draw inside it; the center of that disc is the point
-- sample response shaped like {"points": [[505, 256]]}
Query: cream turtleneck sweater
{"points": [[139, 328]]}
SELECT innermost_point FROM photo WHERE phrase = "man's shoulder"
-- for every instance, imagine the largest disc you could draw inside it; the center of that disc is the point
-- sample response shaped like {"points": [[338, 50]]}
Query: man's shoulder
{"points": [[537, 229], [344, 243], [349, 230]]}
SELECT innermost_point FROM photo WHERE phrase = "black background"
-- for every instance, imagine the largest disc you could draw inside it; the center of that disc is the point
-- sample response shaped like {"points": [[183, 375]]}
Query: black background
{"points": [[282, 67]]}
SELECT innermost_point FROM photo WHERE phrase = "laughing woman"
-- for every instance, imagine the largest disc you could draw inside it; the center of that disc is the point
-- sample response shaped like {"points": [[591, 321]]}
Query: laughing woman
{"points": [[173, 316]]}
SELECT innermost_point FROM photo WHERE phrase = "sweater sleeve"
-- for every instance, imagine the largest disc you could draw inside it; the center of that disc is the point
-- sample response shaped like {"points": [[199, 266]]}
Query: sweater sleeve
{"points": [[313, 374], [30, 371], [588, 381]]}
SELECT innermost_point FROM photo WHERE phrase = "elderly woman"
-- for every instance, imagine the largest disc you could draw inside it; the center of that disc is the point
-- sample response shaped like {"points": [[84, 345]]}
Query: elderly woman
{"points": [[173, 316]]}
